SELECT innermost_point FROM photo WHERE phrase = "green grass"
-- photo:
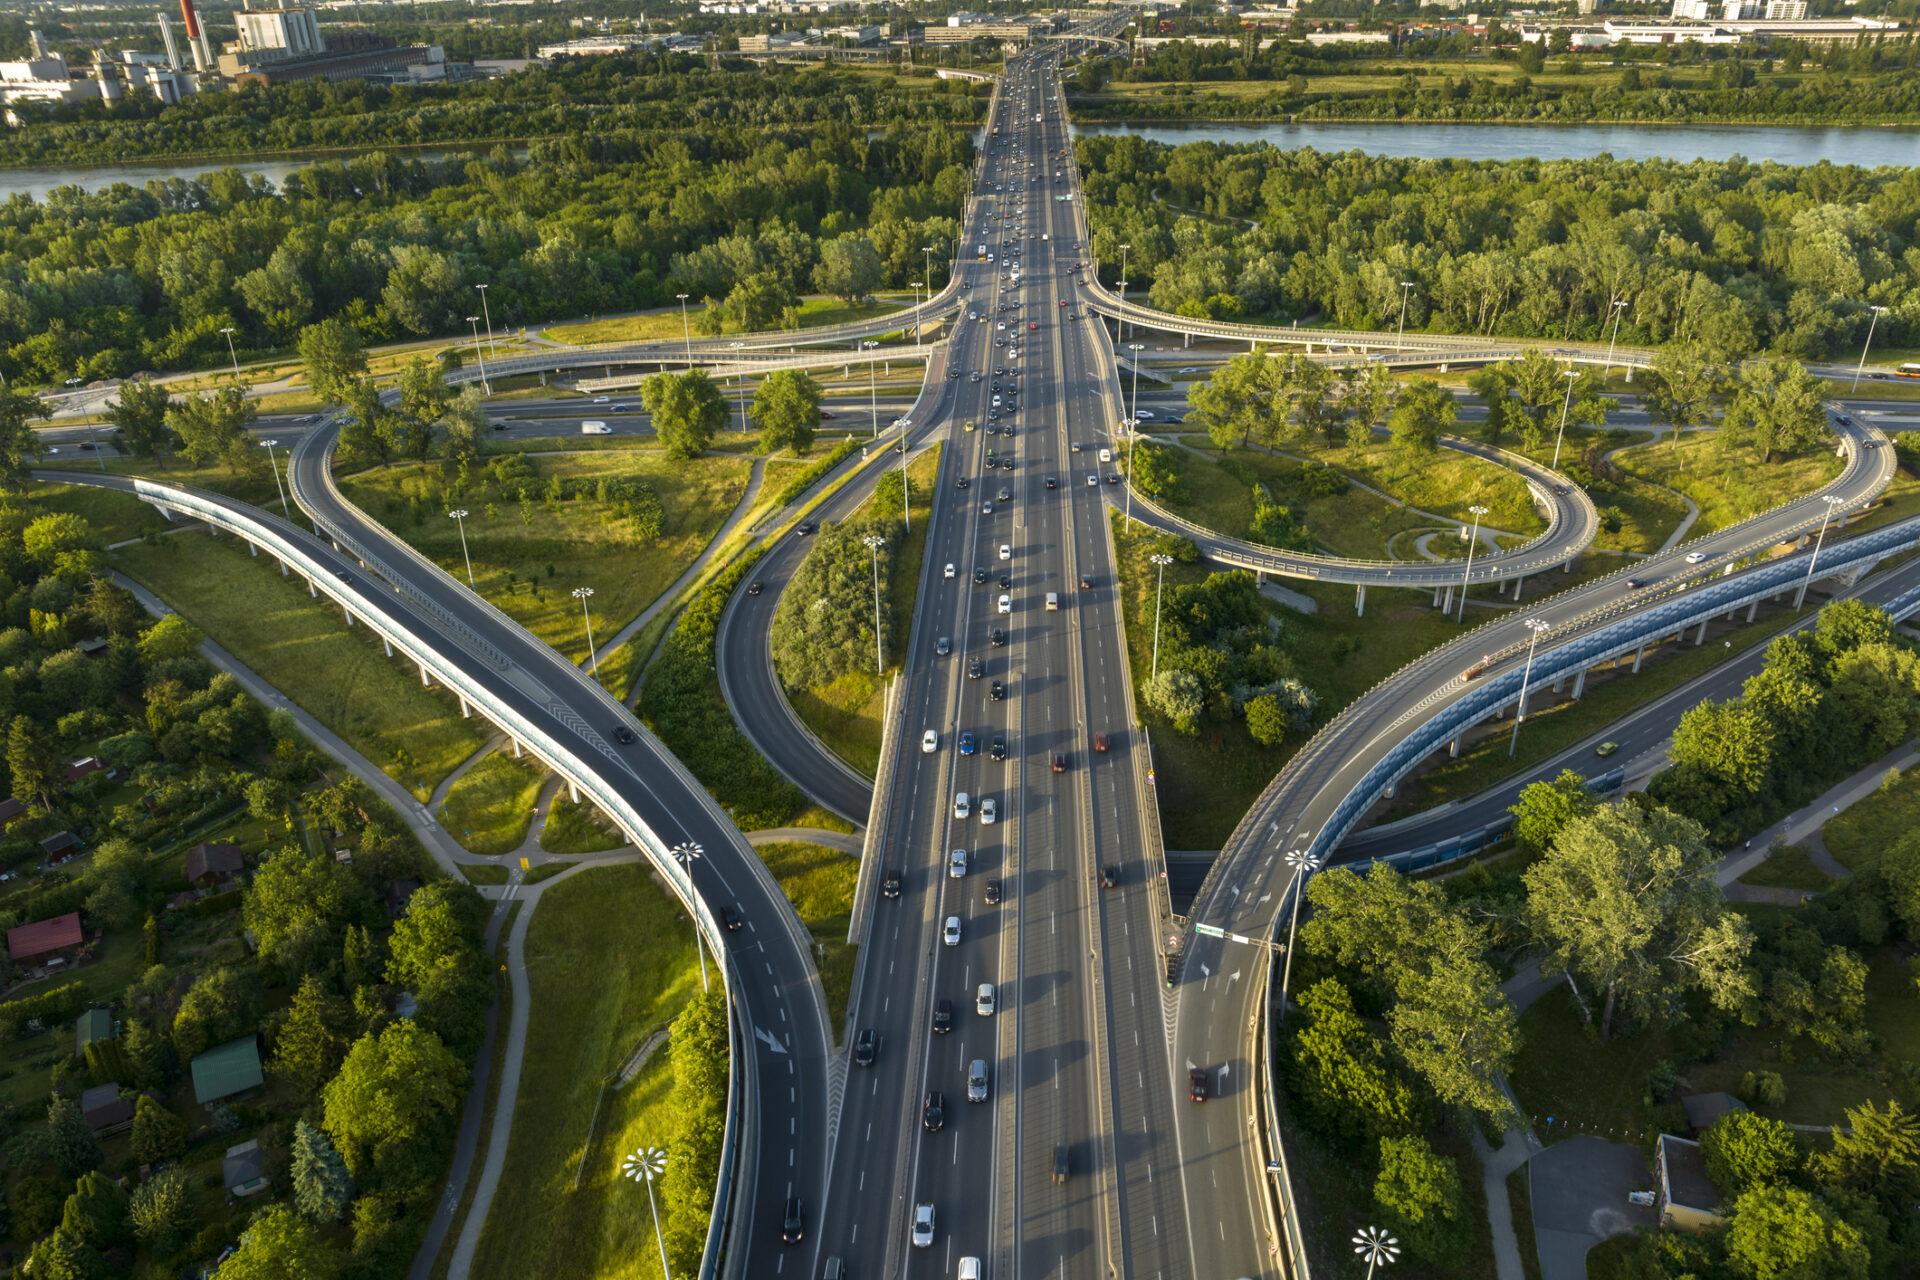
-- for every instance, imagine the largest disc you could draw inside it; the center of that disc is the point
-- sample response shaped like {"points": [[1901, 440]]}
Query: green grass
{"points": [[489, 806], [577, 828], [1520, 1200], [529, 560], [1649, 512], [115, 516], [1552, 727], [547, 871], [1566, 1071], [1858, 833], [1728, 486], [846, 714], [254, 485], [609, 959], [1790, 867], [1444, 481], [337, 674], [484, 872], [666, 322], [819, 882]]}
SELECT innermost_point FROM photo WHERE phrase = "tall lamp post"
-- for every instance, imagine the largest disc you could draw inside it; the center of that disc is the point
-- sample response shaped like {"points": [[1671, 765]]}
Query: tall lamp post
{"points": [[927, 249], [873, 542], [1619, 305], [739, 385], [1400, 338], [1857, 369], [584, 594], [459, 516], [684, 853], [473, 326], [1123, 287], [1466, 576], [234, 359], [1537, 626], [1160, 562], [1304, 864], [1571, 376], [645, 1165], [686, 332], [487, 315], [1376, 1246], [273, 464], [1833, 504], [873, 388]]}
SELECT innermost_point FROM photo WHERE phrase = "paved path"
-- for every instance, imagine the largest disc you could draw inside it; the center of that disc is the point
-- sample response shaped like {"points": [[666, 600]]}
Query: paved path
{"points": [[1804, 825]]}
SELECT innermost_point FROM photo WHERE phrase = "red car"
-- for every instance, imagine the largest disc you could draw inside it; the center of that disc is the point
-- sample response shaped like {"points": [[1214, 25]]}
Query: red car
{"points": [[1100, 742], [1197, 1084], [1033, 324]]}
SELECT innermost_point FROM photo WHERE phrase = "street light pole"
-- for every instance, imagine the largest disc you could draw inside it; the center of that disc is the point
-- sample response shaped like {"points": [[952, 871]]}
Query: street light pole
{"points": [[1133, 424], [459, 516], [1160, 561], [1536, 626], [645, 1165], [739, 386], [487, 315], [873, 389], [1856, 369], [1466, 577], [684, 854], [1376, 1246], [473, 325], [1619, 305], [1571, 375], [584, 594], [1123, 289], [234, 359], [1400, 339], [686, 333], [274, 466], [873, 542], [1801, 598], [1304, 864]]}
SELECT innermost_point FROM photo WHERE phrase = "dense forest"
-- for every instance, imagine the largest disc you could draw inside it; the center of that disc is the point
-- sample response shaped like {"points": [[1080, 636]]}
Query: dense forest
{"points": [[1734, 256], [576, 98], [122, 281]]}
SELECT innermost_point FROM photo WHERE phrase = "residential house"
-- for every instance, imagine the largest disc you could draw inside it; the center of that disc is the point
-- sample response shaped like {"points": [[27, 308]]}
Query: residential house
{"points": [[83, 768], [105, 1110], [1688, 1199], [226, 1070], [210, 865], [60, 846], [11, 811], [244, 1170], [45, 940]]}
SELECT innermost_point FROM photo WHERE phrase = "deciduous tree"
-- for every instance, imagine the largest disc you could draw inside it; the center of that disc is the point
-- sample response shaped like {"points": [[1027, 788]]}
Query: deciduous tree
{"points": [[1744, 1150], [787, 409], [687, 410]]}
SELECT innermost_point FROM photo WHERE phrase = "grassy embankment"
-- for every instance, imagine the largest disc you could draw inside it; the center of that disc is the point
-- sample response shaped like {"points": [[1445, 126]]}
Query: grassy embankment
{"points": [[489, 807], [665, 324]]}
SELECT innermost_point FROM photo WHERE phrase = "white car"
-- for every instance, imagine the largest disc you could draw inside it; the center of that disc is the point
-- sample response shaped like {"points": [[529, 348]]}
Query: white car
{"points": [[923, 1226], [1006, 551], [1695, 557], [957, 865], [962, 805], [949, 568], [1006, 604], [951, 934], [983, 1000], [988, 812], [986, 508], [1093, 482], [930, 742]]}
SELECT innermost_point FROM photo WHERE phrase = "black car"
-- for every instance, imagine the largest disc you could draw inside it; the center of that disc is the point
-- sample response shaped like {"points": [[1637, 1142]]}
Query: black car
{"points": [[975, 668], [624, 736], [890, 885], [1052, 483], [1086, 582], [1006, 582], [993, 893], [1109, 877], [961, 482], [793, 1223], [933, 1112], [996, 637], [1113, 479], [755, 587], [1003, 495], [866, 1048], [997, 691], [942, 1017], [807, 527], [997, 749], [1197, 1084], [731, 919], [980, 576]]}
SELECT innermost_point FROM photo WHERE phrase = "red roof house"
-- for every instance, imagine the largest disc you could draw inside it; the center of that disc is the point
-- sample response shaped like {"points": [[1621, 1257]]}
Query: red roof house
{"points": [[44, 937]]}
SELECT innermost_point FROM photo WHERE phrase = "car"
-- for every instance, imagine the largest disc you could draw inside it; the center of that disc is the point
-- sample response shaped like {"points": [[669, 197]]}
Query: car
{"points": [[1695, 557], [1086, 582], [998, 748], [1093, 482], [867, 1048], [1006, 582], [943, 646], [992, 894], [962, 805], [1109, 877], [1063, 302], [980, 574], [1606, 748], [1059, 763], [793, 1222], [951, 934], [977, 1080], [967, 742], [806, 527], [1004, 495], [1005, 604], [983, 1000], [961, 482], [1143, 415], [1033, 324], [923, 1226], [1197, 1084], [949, 570], [996, 637], [930, 741], [624, 736], [1052, 483], [890, 884], [602, 399], [1100, 743], [986, 508], [1634, 584], [997, 691], [988, 812], [755, 587], [957, 864], [1061, 1162], [933, 1112], [942, 1017], [975, 668]]}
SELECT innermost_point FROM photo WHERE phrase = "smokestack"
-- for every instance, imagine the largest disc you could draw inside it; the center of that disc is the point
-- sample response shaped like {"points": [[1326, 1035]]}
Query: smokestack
{"points": [[196, 38], [108, 76], [40, 53], [166, 37]]}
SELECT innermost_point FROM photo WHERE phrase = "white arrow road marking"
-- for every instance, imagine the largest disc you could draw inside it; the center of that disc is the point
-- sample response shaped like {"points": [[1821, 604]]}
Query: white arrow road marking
{"points": [[772, 1043]]}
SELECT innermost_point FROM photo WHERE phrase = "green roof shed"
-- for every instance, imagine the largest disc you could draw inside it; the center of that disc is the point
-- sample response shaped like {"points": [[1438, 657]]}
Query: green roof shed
{"points": [[227, 1069]]}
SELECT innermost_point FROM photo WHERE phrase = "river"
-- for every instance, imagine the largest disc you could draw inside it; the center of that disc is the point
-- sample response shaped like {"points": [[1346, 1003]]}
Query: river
{"points": [[38, 182], [1785, 144]]}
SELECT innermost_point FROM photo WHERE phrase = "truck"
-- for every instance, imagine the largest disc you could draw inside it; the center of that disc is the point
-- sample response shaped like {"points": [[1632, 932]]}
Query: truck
{"points": [[981, 254], [591, 428]]}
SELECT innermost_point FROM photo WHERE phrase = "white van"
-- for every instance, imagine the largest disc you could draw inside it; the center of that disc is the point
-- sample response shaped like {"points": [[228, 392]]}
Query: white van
{"points": [[1106, 455], [595, 429], [1053, 601], [969, 1269]]}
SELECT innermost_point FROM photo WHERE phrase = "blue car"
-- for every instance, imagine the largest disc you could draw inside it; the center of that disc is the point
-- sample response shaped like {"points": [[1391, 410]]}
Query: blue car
{"points": [[966, 742]]}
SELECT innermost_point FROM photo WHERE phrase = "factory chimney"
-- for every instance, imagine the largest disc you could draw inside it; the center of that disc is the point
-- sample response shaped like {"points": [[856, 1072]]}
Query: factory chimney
{"points": [[166, 37], [196, 37], [40, 53]]}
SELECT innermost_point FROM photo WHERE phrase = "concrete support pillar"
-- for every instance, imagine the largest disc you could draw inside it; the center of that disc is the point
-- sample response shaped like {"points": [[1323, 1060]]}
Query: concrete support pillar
{"points": [[1579, 684], [349, 614], [516, 748], [1436, 597], [573, 792], [1638, 654], [283, 568], [1517, 584], [1701, 637], [1360, 601], [1391, 789], [1453, 746], [312, 590], [1558, 682], [1446, 600], [426, 681], [1753, 607], [387, 645], [253, 551]]}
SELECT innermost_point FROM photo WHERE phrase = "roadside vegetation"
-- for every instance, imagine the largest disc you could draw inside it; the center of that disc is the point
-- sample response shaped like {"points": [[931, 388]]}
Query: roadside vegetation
{"points": [[819, 882], [488, 807], [577, 828]]}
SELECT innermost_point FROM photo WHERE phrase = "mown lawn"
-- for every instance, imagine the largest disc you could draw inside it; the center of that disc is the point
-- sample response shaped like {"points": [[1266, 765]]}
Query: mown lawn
{"points": [[336, 673], [1788, 868], [1648, 512], [117, 517], [666, 323], [528, 558], [489, 806], [1858, 834], [577, 828], [1727, 485], [819, 882], [609, 960]]}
